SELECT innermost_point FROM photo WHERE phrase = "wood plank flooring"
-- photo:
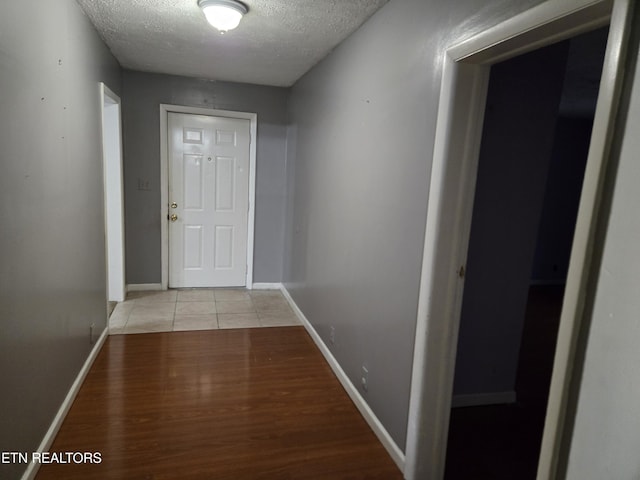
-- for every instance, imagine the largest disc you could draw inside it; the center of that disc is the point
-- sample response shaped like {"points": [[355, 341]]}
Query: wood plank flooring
{"points": [[219, 404]]}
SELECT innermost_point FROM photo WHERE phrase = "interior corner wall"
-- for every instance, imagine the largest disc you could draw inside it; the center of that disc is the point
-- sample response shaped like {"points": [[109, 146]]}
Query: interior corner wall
{"points": [[142, 95], [605, 439], [52, 273], [361, 136]]}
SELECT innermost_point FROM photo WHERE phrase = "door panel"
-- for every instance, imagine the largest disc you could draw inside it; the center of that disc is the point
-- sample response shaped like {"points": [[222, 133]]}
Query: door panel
{"points": [[225, 184], [193, 247], [209, 197], [193, 182], [224, 247]]}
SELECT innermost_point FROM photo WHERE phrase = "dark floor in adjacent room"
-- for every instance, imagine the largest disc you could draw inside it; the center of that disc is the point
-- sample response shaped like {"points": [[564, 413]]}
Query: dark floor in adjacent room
{"points": [[502, 442]]}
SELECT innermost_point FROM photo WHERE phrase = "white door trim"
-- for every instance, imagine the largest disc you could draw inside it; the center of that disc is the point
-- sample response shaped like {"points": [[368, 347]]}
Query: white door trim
{"points": [[465, 79], [164, 180], [111, 133]]}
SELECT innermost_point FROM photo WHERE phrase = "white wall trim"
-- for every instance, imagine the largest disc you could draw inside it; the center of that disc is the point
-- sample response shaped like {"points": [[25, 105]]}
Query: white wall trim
{"points": [[394, 451], [483, 399], [164, 181], [49, 437], [267, 286], [542, 25], [144, 287], [581, 271], [111, 142], [450, 205], [543, 283]]}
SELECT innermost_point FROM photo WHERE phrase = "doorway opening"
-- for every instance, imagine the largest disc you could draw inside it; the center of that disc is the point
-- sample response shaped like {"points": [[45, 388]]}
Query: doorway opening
{"points": [[113, 195], [535, 142], [208, 201], [166, 204], [465, 78]]}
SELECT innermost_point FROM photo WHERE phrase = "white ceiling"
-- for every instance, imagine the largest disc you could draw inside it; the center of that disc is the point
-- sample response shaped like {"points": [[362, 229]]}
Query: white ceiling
{"points": [[276, 43]]}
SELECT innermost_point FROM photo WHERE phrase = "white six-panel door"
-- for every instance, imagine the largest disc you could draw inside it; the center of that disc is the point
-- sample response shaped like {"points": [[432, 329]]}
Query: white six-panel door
{"points": [[208, 200]]}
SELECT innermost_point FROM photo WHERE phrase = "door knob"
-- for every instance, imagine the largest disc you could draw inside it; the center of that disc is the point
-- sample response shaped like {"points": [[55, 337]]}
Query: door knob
{"points": [[174, 205], [174, 217]]}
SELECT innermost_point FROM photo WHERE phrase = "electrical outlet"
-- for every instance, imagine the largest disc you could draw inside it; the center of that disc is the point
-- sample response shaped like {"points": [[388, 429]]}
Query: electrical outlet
{"points": [[92, 340], [365, 378], [332, 335]]}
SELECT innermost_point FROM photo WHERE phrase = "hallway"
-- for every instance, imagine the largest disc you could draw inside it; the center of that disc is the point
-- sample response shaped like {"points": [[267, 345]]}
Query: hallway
{"points": [[364, 171]]}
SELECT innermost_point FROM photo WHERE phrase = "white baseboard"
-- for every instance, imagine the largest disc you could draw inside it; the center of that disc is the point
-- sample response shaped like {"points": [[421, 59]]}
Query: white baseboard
{"points": [[482, 399], [144, 287], [267, 286], [394, 451], [33, 467], [150, 287], [542, 282]]}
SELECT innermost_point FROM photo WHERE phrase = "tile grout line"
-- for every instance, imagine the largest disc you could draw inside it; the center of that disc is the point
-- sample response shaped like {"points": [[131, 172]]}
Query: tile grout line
{"points": [[173, 321], [257, 312]]}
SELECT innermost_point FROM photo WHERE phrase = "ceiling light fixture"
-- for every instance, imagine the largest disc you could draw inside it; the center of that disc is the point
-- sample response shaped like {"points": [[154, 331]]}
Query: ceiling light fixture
{"points": [[223, 14]]}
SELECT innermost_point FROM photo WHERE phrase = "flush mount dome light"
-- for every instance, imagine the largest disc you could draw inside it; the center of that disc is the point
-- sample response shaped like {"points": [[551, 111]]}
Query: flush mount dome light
{"points": [[223, 14]]}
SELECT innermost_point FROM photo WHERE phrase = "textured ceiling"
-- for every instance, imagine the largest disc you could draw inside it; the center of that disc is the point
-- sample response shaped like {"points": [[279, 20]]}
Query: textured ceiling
{"points": [[276, 43]]}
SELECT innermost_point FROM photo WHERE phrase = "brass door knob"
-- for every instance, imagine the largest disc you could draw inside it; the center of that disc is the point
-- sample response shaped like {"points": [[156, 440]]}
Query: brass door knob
{"points": [[174, 205], [174, 217]]}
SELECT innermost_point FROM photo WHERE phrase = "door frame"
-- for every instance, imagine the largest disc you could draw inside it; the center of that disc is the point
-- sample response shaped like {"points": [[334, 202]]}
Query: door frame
{"points": [[111, 141], [465, 78], [165, 109]]}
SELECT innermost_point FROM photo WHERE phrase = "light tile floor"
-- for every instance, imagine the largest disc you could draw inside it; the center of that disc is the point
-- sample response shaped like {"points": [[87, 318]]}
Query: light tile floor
{"points": [[200, 309]]}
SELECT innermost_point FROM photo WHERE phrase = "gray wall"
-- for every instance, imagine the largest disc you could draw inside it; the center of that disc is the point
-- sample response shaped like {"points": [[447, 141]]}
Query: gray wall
{"points": [[52, 273], [606, 433], [360, 143], [517, 140], [142, 95]]}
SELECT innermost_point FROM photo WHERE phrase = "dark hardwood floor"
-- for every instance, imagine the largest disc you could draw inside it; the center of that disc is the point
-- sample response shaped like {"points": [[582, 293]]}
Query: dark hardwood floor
{"points": [[218, 404], [502, 442]]}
